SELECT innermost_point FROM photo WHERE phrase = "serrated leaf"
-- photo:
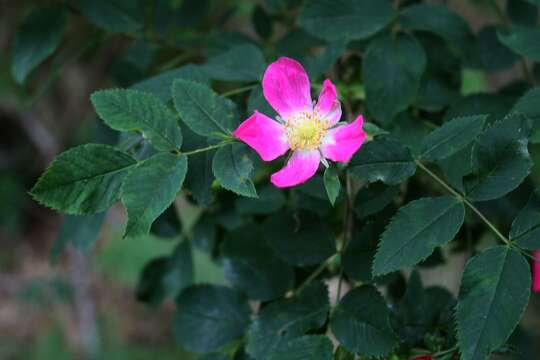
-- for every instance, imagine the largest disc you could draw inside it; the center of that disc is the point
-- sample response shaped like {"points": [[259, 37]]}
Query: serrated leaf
{"points": [[332, 184], [416, 230], [202, 109], [313, 347], [83, 180], [501, 158], [392, 68], [525, 230], [36, 39], [150, 188], [122, 16], [361, 323], [209, 317], [252, 267], [132, 110], [494, 292], [373, 198], [350, 19], [302, 241], [522, 40], [286, 319], [528, 106], [451, 137], [233, 168], [240, 63], [385, 160]]}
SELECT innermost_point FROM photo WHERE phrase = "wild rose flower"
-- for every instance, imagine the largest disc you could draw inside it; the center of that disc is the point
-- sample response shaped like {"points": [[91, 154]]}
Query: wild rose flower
{"points": [[536, 271], [311, 131]]}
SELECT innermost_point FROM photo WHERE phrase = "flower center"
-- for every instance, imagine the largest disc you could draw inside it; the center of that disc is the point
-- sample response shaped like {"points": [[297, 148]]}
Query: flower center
{"points": [[305, 130]]}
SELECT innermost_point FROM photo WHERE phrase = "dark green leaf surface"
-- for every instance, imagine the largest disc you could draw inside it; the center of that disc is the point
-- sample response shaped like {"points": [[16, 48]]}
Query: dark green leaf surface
{"points": [[501, 158], [332, 184], [37, 38], [286, 319], [373, 198], [351, 19], [361, 323], [240, 63], [209, 317], [202, 109], [124, 16], [416, 230], [131, 110], [493, 54], [523, 40], [528, 106], [453, 136], [83, 180], [313, 347], [270, 200], [358, 256], [385, 160], [233, 168], [250, 265], [150, 188], [525, 230], [495, 289], [521, 12], [392, 69]]}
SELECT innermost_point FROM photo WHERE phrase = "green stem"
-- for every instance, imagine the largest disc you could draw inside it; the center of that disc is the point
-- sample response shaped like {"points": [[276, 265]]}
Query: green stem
{"points": [[465, 201], [347, 233], [238, 90], [314, 274], [208, 148]]}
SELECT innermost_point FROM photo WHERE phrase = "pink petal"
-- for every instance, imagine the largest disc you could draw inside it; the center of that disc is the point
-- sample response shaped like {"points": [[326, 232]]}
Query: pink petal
{"points": [[342, 142], [286, 87], [302, 165], [328, 106], [266, 136], [536, 272]]}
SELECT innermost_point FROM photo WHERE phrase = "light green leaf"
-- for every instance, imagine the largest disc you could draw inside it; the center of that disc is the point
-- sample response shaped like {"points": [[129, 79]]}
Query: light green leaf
{"points": [[37, 38], [383, 159], [523, 40], [83, 180], [392, 68], [332, 184], [240, 63], [150, 188], [416, 230], [132, 110], [351, 19], [494, 292], [525, 230], [313, 347], [501, 158], [250, 265], [202, 109], [361, 323], [233, 168], [209, 317], [451, 137], [124, 16]]}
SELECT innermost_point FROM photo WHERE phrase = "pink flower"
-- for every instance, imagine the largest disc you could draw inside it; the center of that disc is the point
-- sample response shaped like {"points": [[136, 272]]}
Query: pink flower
{"points": [[536, 271], [311, 131]]}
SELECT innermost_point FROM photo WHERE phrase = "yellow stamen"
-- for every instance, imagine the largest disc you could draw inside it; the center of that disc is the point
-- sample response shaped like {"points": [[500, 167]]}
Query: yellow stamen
{"points": [[305, 130]]}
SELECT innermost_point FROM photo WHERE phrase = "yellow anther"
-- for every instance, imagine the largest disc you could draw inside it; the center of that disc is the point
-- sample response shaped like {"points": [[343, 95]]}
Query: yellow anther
{"points": [[305, 130]]}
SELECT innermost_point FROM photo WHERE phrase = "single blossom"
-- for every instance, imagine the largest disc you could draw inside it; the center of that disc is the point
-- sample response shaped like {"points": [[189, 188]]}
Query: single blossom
{"points": [[536, 271], [310, 130]]}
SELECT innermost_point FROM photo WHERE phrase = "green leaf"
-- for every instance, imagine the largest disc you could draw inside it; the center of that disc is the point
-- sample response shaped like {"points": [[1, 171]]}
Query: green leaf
{"points": [[342, 354], [358, 256], [36, 39], [313, 347], [150, 188], [132, 110], [256, 101], [251, 266], [416, 230], [240, 63], [168, 224], [521, 12], [391, 70], [286, 319], [319, 64], [494, 292], [501, 158], [209, 317], [332, 184], [351, 19], [373, 198], [528, 106], [205, 233], [161, 84], [493, 54], [438, 19], [300, 241], [233, 168], [383, 159], [124, 16], [202, 109], [522, 40], [361, 323], [525, 230], [270, 200], [83, 180], [451, 137]]}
